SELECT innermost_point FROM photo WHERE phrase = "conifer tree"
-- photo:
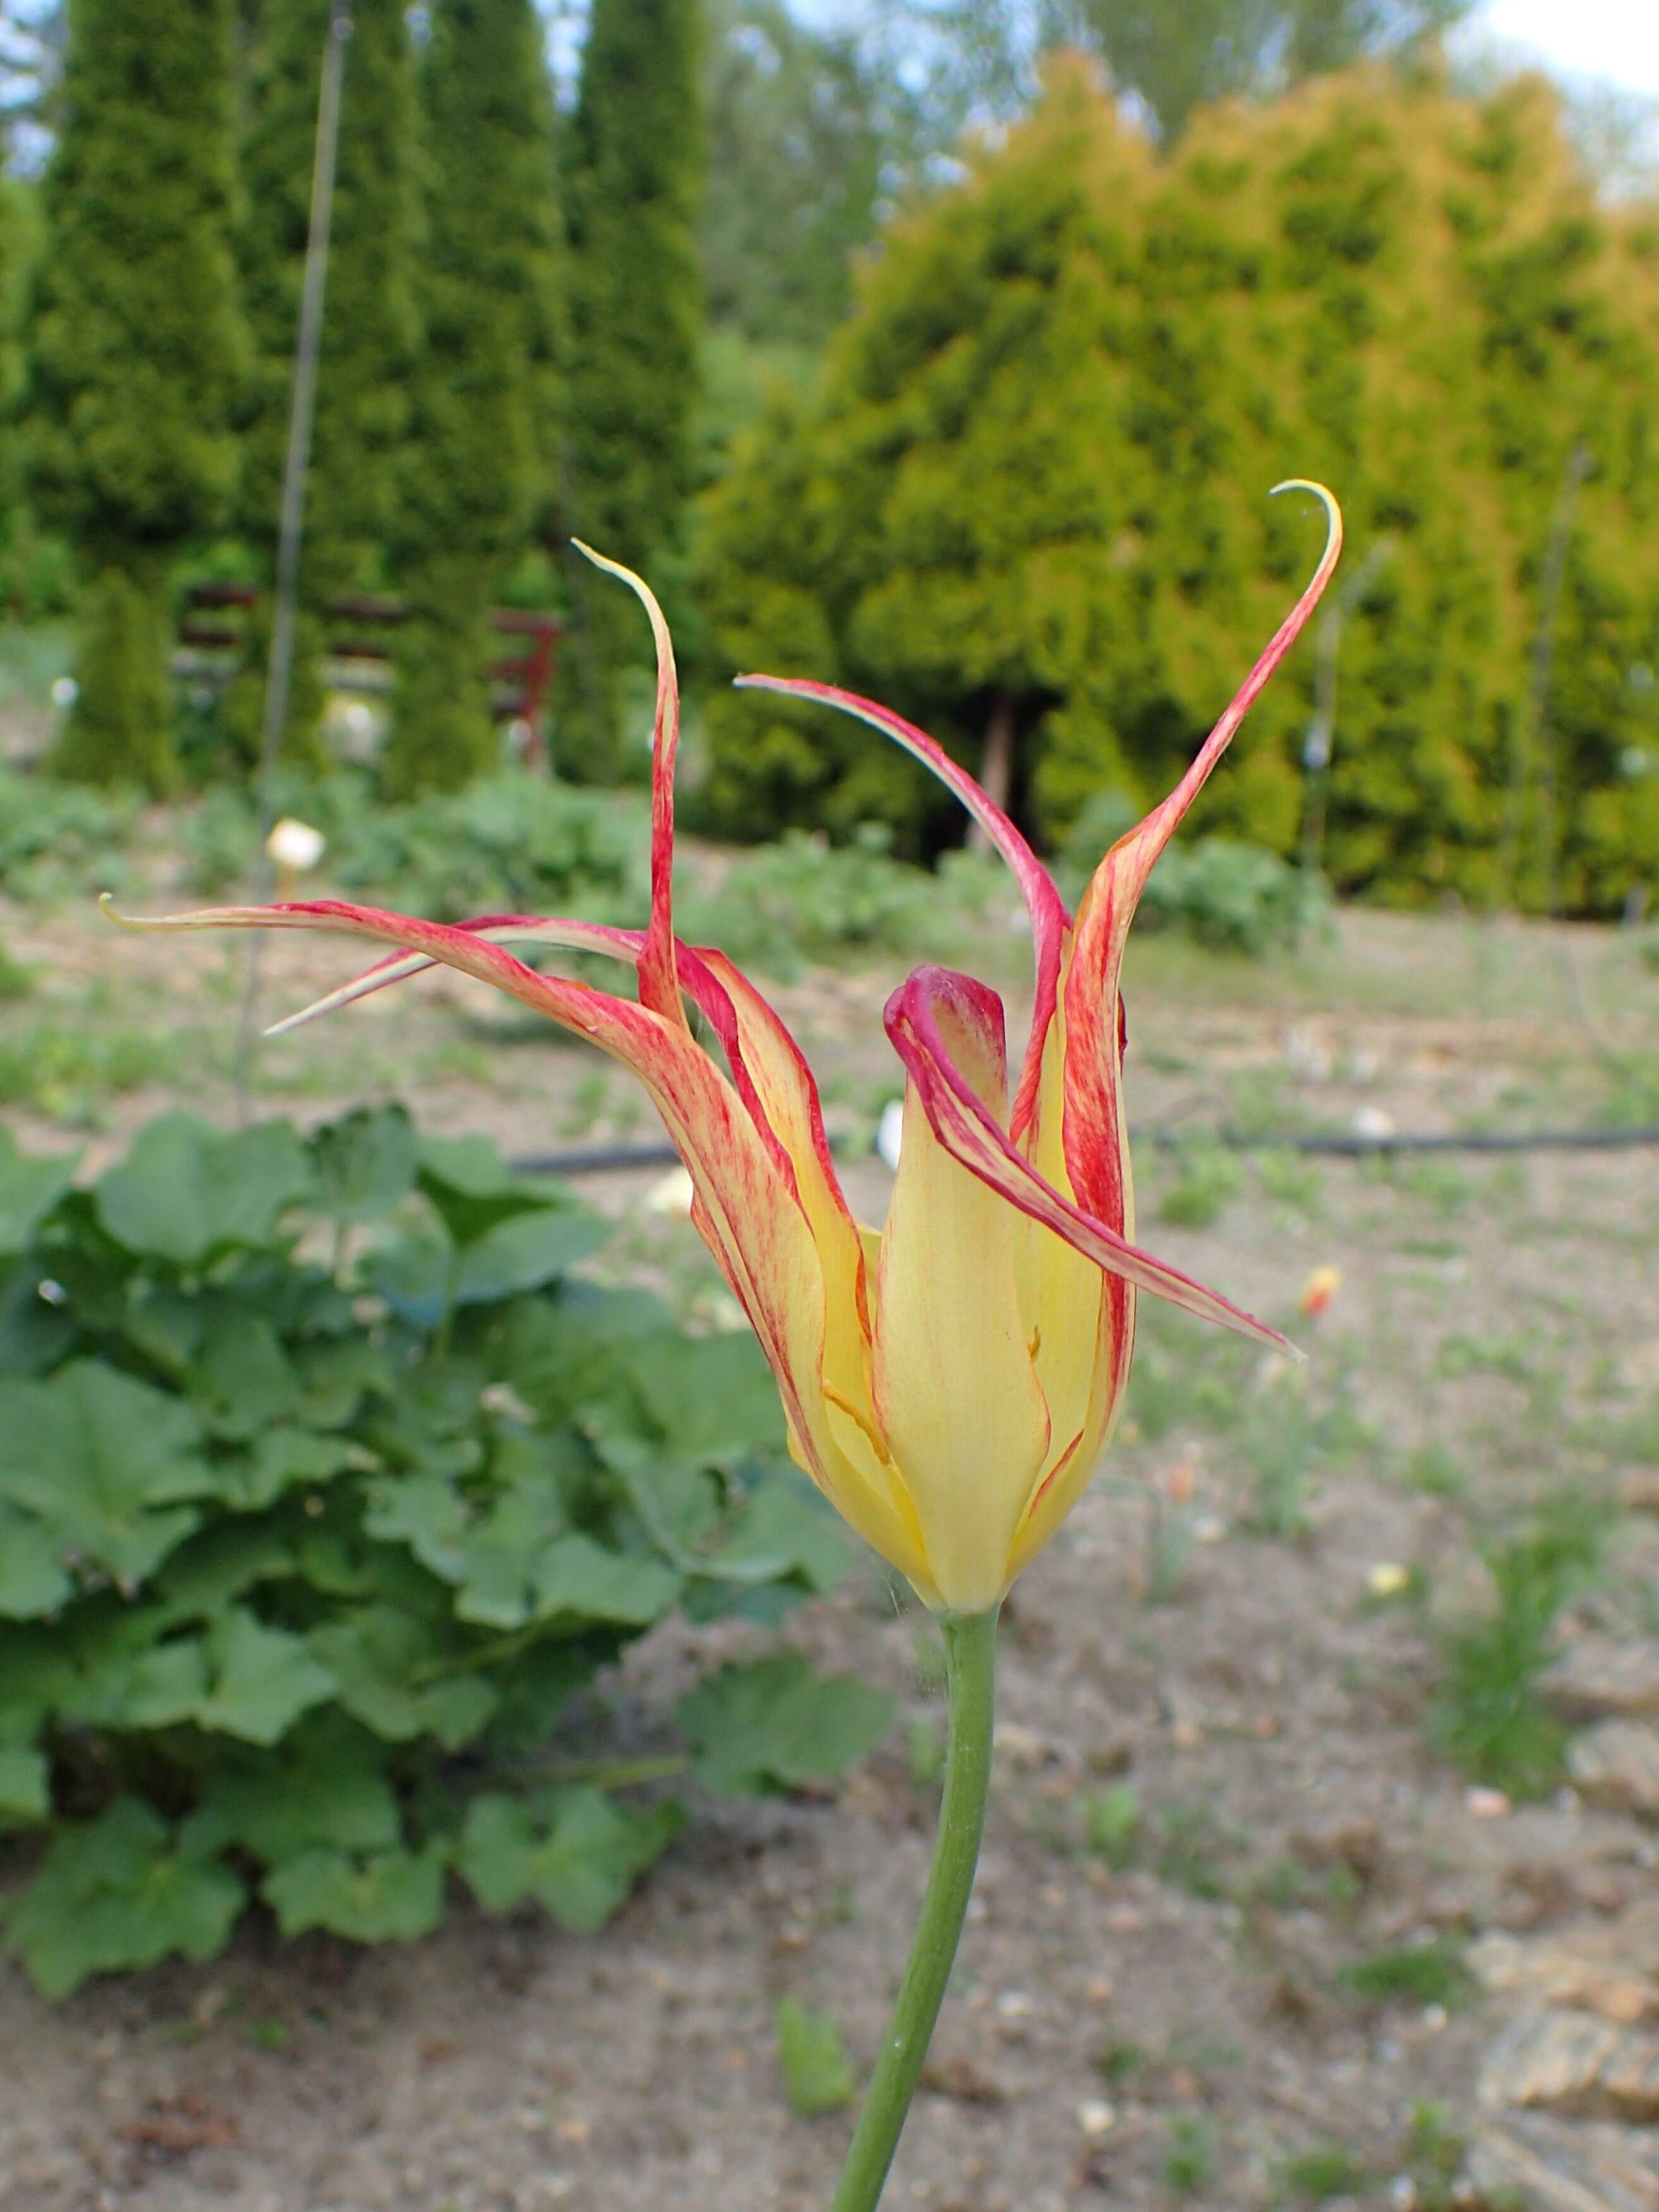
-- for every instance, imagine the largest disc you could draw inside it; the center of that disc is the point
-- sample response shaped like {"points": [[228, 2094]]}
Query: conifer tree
{"points": [[633, 168], [1039, 463], [483, 453], [136, 350], [13, 258], [370, 330]]}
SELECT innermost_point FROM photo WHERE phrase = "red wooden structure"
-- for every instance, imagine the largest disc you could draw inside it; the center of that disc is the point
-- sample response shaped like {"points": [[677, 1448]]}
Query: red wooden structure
{"points": [[358, 627]]}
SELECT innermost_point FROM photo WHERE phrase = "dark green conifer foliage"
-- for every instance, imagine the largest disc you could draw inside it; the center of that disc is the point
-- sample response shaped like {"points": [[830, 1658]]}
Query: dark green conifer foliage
{"points": [[1040, 461], [15, 257], [136, 350], [370, 328], [482, 458], [633, 168]]}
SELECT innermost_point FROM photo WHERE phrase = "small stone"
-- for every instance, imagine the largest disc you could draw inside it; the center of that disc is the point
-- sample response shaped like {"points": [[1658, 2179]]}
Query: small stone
{"points": [[1483, 1804], [1563, 2165], [1387, 1578], [1605, 1677], [1096, 2117], [1024, 1745], [1575, 2063], [961, 2078], [1014, 2004], [1616, 1763]]}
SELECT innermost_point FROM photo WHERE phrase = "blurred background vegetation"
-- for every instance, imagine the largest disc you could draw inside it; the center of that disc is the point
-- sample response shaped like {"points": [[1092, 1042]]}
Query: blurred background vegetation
{"points": [[945, 351]]}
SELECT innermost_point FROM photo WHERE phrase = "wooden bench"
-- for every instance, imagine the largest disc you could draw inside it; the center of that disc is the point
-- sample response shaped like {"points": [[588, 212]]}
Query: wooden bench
{"points": [[213, 640]]}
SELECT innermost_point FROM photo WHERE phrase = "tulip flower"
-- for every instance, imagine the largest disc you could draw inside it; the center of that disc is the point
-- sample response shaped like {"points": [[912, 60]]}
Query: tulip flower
{"points": [[951, 1380]]}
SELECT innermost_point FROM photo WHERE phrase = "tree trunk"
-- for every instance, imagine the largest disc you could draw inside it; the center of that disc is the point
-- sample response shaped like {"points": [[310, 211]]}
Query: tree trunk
{"points": [[996, 770]]}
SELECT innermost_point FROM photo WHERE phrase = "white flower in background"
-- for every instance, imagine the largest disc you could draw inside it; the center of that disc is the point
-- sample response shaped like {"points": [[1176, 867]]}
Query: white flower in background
{"points": [[65, 691], [295, 847], [672, 1195], [889, 1132]]}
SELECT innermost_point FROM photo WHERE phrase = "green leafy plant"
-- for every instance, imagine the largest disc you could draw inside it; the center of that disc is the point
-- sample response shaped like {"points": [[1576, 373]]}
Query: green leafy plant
{"points": [[1112, 1824], [1330, 2170], [1488, 1716], [818, 2073], [1189, 2159], [1411, 1973], [326, 1488], [1207, 1179]]}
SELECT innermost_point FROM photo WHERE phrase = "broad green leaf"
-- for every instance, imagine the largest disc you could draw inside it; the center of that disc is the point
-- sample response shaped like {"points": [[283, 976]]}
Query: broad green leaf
{"points": [[774, 1724], [184, 1193], [817, 2073], [336, 1378], [166, 1323], [242, 1380], [381, 1658], [501, 1561], [35, 1332], [323, 1790], [472, 1187], [365, 1163], [103, 1462], [32, 1580], [24, 1785], [280, 1459], [528, 1253], [239, 1678], [418, 1275], [577, 1575], [260, 1678], [387, 1897], [579, 1859], [215, 1565], [783, 1528], [31, 1184], [561, 1354], [426, 1512], [113, 1893], [714, 1397], [36, 1674]]}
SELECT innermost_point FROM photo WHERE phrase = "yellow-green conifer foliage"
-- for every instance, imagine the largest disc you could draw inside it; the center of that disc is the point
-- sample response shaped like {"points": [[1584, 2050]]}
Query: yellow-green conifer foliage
{"points": [[1034, 483], [137, 349]]}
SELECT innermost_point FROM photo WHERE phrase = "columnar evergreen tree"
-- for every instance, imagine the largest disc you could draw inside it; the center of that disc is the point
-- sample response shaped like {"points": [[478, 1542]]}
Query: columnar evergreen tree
{"points": [[1035, 483], [370, 329], [13, 281], [137, 349], [483, 455], [633, 169]]}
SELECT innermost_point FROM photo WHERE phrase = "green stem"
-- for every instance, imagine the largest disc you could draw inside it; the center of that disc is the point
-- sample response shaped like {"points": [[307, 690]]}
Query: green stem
{"points": [[970, 1647]]}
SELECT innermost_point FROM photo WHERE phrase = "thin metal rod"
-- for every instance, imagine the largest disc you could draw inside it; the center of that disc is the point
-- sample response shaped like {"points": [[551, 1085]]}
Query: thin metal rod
{"points": [[290, 533], [302, 409]]}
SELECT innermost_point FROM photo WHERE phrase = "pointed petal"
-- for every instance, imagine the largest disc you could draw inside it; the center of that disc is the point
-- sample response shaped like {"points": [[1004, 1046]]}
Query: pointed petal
{"points": [[1047, 909], [955, 1382], [756, 1224], [747, 1205], [658, 985], [1096, 1151], [971, 1134]]}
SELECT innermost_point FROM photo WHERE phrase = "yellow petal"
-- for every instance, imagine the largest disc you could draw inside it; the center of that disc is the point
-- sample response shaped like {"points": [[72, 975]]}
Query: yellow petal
{"points": [[955, 1384]]}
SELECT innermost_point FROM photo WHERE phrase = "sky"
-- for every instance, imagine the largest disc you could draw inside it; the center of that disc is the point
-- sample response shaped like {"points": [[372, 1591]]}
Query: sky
{"points": [[1614, 40]]}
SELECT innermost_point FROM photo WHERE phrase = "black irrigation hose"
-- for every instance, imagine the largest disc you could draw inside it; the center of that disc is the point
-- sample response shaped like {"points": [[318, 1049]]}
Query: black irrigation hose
{"points": [[598, 1160]]}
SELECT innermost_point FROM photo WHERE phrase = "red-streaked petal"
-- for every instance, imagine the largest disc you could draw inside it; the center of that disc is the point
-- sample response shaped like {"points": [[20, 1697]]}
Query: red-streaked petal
{"points": [[1093, 1116], [1047, 909], [659, 984], [772, 1078], [971, 1133], [753, 1217]]}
